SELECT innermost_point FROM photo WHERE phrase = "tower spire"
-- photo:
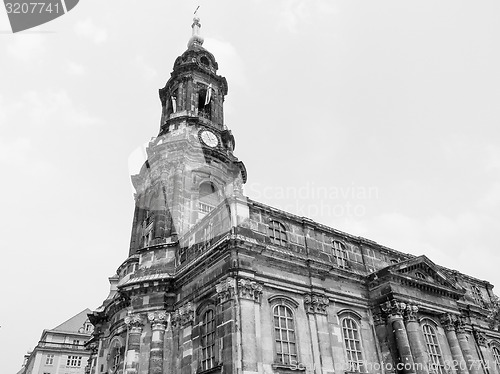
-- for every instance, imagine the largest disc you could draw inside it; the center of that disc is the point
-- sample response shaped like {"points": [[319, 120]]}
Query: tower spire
{"points": [[196, 38]]}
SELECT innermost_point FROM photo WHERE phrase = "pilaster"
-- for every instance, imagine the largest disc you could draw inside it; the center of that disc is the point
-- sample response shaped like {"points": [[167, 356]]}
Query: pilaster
{"points": [[158, 321], [448, 321], [135, 324], [416, 339]]}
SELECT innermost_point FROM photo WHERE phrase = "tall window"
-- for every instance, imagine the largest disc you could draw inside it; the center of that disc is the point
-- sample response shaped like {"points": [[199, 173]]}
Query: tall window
{"points": [[477, 296], [115, 356], [49, 360], [352, 343], [496, 354], [284, 335], [207, 335], [340, 254], [433, 349], [277, 233]]}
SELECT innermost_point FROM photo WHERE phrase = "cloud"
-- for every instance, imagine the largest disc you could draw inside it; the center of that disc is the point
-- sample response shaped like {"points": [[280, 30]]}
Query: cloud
{"points": [[293, 13], [231, 65], [147, 70], [88, 29], [56, 107], [75, 68], [18, 154], [26, 47]]}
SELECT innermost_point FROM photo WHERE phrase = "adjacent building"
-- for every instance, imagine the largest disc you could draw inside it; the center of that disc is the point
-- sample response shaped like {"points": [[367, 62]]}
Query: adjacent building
{"points": [[217, 283], [61, 350]]}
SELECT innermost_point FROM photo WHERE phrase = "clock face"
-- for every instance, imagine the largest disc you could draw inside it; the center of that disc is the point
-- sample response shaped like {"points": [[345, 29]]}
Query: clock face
{"points": [[209, 138]]}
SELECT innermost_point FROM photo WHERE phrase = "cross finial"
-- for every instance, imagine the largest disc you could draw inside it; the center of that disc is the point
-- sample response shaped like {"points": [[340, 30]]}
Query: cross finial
{"points": [[196, 38]]}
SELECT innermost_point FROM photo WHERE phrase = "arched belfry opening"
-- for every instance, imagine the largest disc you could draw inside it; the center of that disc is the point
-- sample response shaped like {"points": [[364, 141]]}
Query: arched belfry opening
{"points": [[205, 102], [208, 198], [172, 101]]}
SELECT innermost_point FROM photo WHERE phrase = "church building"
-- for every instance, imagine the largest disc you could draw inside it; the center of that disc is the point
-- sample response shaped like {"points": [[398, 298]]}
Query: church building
{"points": [[215, 282]]}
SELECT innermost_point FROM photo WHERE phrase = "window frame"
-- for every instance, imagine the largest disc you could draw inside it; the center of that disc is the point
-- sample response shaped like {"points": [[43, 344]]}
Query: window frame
{"points": [[50, 356], [213, 345], [495, 353], [274, 226], [113, 361], [340, 253], [477, 296], [354, 366], [437, 354], [274, 302]]}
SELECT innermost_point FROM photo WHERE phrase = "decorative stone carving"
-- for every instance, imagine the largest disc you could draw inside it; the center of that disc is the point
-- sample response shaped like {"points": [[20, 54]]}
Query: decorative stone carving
{"points": [[225, 289], [315, 303], [480, 338], [460, 324], [183, 315], [393, 308], [158, 318], [410, 313], [134, 322], [248, 289], [378, 318], [448, 321]]}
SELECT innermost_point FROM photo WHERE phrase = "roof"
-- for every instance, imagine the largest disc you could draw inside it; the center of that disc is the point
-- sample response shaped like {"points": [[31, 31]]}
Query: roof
{"points": [[74, 323]]}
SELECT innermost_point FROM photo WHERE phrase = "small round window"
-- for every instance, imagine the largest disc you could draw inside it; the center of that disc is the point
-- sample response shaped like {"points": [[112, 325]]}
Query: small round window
{"points": [[205, 61]]}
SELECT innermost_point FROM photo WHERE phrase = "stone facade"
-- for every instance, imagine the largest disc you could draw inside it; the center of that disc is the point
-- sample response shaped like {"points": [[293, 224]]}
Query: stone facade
{"points": [[218, 283]]}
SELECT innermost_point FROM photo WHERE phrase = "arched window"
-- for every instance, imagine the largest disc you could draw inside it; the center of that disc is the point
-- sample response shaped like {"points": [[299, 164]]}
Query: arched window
{"points": [[172, 102], [277, 233], [477, 296], [115, 362], [496, 354], [204, 99], [433, 349], [208, 198], [284, 335], [352, 344], [340, 254], [394, 261], [207, 340]]}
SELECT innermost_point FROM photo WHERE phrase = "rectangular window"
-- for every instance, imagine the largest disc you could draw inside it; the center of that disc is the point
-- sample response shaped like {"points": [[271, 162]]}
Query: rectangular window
{"points": [[49, 360], [76, 342], [74, 361]]}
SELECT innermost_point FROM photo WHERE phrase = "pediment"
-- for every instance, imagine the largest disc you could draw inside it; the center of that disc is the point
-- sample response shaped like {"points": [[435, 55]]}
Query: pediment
{"points": [[422, 273]]}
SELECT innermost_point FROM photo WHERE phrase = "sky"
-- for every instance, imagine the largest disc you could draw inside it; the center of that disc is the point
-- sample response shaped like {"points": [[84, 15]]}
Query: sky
{"points": [[376, 118]]}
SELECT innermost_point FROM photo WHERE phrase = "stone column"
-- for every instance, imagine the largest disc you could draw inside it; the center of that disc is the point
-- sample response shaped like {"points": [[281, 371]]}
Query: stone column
{"points": [[395, 310], [465, 346], [183, 318], [448, 322], [158, 320], [135, 324], [416, 340], [249, 293], [315, 305], [380, 325], [486, 355]]}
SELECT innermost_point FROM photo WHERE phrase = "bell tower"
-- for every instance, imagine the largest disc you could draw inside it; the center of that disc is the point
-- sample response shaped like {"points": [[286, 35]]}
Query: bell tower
{"points": [[190, 169]]}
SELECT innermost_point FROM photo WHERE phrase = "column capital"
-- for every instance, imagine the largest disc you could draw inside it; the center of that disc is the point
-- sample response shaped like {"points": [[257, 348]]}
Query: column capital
{"points": [[183, 315], [410, 313], [448, 321], [134, 322], [249, 289], [158, 319], [225, 289], [393, 308], [316, 303]]}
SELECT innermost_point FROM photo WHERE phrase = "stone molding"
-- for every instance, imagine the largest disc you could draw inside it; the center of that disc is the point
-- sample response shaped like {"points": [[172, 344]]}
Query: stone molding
{"points": [[225, 289], [183, 315], [316, 303], [481, 338], [158, 319], [460, 324], [250, 290], [135, 323]]}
